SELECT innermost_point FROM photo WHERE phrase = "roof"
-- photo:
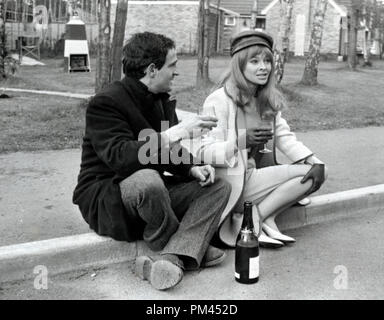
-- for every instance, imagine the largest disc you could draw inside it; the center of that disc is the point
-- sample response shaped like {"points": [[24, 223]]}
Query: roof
{"points": [[342, 6], [243, 7], [346, 3], [115, 1]]}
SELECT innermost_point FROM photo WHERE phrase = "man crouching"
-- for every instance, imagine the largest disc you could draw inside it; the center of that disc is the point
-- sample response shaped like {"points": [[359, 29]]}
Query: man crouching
{"points": [[174, 208]]}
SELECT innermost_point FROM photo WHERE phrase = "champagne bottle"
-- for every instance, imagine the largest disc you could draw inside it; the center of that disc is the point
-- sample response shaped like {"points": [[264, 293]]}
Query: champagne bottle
{"points": [[247, 250]]}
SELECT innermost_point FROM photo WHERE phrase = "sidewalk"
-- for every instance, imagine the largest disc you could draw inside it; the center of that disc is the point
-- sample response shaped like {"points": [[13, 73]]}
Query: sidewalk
{"points": [[341, 260], [35, 204], [36, 188]]}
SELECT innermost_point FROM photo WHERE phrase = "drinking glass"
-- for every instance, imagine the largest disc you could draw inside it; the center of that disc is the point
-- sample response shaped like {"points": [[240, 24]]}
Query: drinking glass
{"points": [[266, 122], [206, 136]]}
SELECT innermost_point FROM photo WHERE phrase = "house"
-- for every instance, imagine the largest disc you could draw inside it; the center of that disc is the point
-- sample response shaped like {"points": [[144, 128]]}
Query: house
{"points": [[179, 20], [174, 18], [335, 33], [236, 16]]}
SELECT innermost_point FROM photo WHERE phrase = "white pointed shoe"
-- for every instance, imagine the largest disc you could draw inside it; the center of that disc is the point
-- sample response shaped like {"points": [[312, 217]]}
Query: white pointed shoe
{"points": [[267, 242], [274, 234]]}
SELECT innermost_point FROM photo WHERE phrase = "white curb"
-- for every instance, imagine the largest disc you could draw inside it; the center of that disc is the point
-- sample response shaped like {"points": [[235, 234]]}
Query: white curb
{"points": [[60, 255], [52, 93], [334, 206], [81, 251]]}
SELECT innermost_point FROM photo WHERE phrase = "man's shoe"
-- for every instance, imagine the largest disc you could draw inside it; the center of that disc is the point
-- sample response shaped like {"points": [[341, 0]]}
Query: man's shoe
{"points": [[162, 272], [213, 256]]}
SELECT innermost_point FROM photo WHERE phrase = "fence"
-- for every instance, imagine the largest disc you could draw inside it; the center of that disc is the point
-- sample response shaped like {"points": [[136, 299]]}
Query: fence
{"points": [[49, 38]]}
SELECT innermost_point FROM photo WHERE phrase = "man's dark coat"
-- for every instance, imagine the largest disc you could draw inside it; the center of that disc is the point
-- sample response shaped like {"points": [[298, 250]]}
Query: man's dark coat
{"points": [[114, 119]]}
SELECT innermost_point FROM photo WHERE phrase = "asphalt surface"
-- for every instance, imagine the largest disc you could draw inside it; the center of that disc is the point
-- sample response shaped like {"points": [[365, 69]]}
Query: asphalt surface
{"points": [[36, 187], [339, 260]]}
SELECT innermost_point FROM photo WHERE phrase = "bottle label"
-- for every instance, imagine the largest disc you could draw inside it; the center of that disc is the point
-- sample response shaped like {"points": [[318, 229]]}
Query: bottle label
{"points": [[253, 267]]}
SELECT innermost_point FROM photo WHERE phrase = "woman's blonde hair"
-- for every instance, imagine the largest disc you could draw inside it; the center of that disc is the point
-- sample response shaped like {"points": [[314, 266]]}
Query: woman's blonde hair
{"points": [[239, 88]]}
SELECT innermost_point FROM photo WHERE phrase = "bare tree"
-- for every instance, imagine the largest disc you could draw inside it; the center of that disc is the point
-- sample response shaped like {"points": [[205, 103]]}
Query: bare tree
{"points": [[313, 58], [3, 51], [363, 14], [118, 38], [104, 45], [282, 43], [369, 11], [366, 23], [218, 25], [379, 27], [285, 27], [352, 33], [92, 9], [202, 76]]}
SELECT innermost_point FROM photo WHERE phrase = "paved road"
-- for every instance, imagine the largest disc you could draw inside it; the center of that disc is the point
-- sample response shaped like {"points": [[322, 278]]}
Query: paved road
{"points": [[342, 260], [36, 187]]}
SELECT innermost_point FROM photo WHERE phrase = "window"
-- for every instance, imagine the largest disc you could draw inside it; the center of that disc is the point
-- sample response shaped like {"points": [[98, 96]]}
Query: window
{"points": [[260, 23], [230, 21], [15, 13]]}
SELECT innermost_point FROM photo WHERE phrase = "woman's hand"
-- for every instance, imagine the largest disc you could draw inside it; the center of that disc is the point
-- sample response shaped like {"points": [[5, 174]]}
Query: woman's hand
{"points": [[312, 160], [205, 174], [254, 137]]}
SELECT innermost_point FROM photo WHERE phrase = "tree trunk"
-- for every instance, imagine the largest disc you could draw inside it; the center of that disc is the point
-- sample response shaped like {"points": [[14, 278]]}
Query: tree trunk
{"points": [[282, 43], [206, 42], [89, 10], [202, 77], [103, 64], [54, 10], [49, 36], [367, 48], [285, 32], [218, 23], [368, 12], [313, 58], [3, 52], [59, 12], [118, 38], [352, 39], [381, 28]]}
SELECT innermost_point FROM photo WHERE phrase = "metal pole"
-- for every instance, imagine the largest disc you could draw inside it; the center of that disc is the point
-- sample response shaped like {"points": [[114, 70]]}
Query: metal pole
{"points": [[59, 13]]}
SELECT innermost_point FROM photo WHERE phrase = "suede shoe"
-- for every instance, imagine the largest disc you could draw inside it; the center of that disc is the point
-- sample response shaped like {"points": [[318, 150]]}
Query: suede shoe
{"points": [[163, 272], [213, 256]]}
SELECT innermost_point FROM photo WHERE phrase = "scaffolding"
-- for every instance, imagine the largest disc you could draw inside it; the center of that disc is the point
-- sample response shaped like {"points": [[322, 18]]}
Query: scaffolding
{"points": [[58, 10], [33, 23]]}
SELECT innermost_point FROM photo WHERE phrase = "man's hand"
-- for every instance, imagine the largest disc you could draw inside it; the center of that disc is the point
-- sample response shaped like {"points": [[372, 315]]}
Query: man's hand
{"points": [[193, 126], [255, 136], [205, 174], [317, 174]]}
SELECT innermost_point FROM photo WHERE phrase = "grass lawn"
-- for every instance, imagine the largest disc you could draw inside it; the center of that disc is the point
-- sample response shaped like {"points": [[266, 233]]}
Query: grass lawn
{"points": [[344, 99], [35, 122], [51, 77]]}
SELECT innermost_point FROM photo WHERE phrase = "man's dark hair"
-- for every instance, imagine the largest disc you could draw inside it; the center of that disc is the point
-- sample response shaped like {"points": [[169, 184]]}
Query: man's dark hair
{"points": [[142, 49]]}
